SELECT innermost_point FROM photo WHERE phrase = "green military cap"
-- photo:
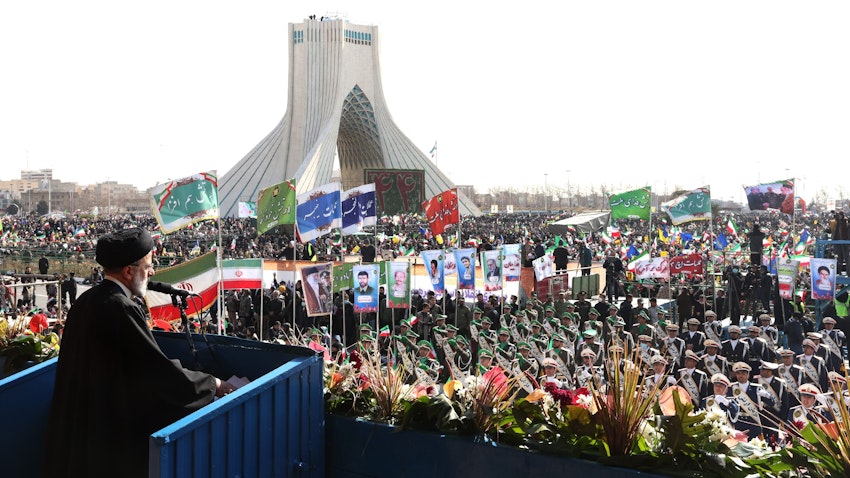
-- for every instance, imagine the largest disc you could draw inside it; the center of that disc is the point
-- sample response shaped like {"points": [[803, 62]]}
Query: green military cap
{"points": [[549, 308], [477, 311], [476, 322], [314, 331], [521, 313], [439, 329], [558, 337], [462, 339], [504, 331], [366, 327], [366, 338], [554, 321], [589, 333], [486, 320], [452, 328], [404, 323], [440, 317], [523, 345], [593, 311], [619, 322], [536, 323], [613, 306], [485, 353], [424, 344], [570, 304], [411, 334]]}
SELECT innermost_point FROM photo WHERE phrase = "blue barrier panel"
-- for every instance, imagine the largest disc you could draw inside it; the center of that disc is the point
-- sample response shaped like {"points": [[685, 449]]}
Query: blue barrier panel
{"points": [[273, 426], [25, 403], [360, 449]]}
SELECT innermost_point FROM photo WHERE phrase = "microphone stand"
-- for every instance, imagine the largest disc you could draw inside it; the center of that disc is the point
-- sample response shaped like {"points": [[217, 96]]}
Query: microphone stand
{"points": [[182, 305]]}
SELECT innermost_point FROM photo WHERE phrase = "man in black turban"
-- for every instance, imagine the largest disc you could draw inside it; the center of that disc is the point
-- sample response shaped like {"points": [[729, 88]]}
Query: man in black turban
{"points": [[114, 386]]}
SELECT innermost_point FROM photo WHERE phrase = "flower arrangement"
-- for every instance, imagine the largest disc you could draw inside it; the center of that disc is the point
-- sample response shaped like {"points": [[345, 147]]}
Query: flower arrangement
{"points": [[23, 348], [625, 422]]}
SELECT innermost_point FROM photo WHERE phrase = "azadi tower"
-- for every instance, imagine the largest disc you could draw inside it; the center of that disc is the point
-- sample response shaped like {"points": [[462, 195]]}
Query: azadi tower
{"points": [[336, 106]]}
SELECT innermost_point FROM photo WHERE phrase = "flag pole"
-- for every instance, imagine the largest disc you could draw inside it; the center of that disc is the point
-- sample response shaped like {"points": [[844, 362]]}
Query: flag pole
{"points": [[220, 285], [294, 274]]}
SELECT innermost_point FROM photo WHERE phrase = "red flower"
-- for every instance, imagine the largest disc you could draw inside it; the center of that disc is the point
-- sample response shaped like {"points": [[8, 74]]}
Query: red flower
{"points": [[563, 397]]}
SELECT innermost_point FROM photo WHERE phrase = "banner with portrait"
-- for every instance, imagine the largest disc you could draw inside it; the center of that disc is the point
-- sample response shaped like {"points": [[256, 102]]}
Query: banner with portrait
{"points": [[543, 267], [491, 265], [398, 284], [434, 265], [511, 262], [786, 277], [465, 265], [823, 278], [317, 283], [365, 287]]}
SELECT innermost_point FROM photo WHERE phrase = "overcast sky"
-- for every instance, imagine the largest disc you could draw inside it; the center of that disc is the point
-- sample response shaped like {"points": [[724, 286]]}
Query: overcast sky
{"points": [[669, 94]]}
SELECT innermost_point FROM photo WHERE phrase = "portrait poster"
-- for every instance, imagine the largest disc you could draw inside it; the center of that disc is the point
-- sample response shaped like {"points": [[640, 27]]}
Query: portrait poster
{"points": [[398, 284], [365, 287], [823, 278], [491, 265], [511, 262], [434, 260], [465, 264], [317, 284]]}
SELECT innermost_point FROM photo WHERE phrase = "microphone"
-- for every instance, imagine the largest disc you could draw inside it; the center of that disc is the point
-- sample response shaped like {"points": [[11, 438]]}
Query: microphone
{"points": [[169, 289]]}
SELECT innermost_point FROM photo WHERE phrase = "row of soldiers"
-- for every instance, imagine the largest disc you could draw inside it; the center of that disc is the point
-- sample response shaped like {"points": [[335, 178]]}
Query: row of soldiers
{"points": [[570, 353]]}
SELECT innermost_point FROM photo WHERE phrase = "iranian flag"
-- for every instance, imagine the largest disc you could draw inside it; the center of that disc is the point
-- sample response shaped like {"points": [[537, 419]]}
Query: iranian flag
{"points": [[731, 228], [385, 331], [643, 256], [199, 276], [242, 274]]}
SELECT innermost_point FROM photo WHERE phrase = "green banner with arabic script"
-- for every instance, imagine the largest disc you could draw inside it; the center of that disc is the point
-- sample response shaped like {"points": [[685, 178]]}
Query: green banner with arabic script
{"points": [[693, 206], [630, 204], [275, 206]]}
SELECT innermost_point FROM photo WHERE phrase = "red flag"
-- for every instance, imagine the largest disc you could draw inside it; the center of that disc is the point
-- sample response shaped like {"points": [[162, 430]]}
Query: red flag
{"points": [[441, 210]]}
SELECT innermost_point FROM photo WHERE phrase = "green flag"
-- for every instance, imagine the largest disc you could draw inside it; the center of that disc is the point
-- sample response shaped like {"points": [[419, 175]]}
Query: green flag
{"points": [[692, 206], [275, 206], [342, 276], [630, 204], [185, 201]]}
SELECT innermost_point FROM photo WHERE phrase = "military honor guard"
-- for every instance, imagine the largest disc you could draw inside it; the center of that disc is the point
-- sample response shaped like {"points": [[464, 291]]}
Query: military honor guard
{"points": [[693, 337], [485, 361], [527, 363], [673, 347], [734, 349], [712, 328], [695, 381], [834, 340], [588, 374], [808, 410], [552, 375], [710, 362], [659, 376], [780, 396], [589, 342], [719, 398], [769, 332], [758, 349], [814, 367], [752, 399], [621, 337], [562, 355]]}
